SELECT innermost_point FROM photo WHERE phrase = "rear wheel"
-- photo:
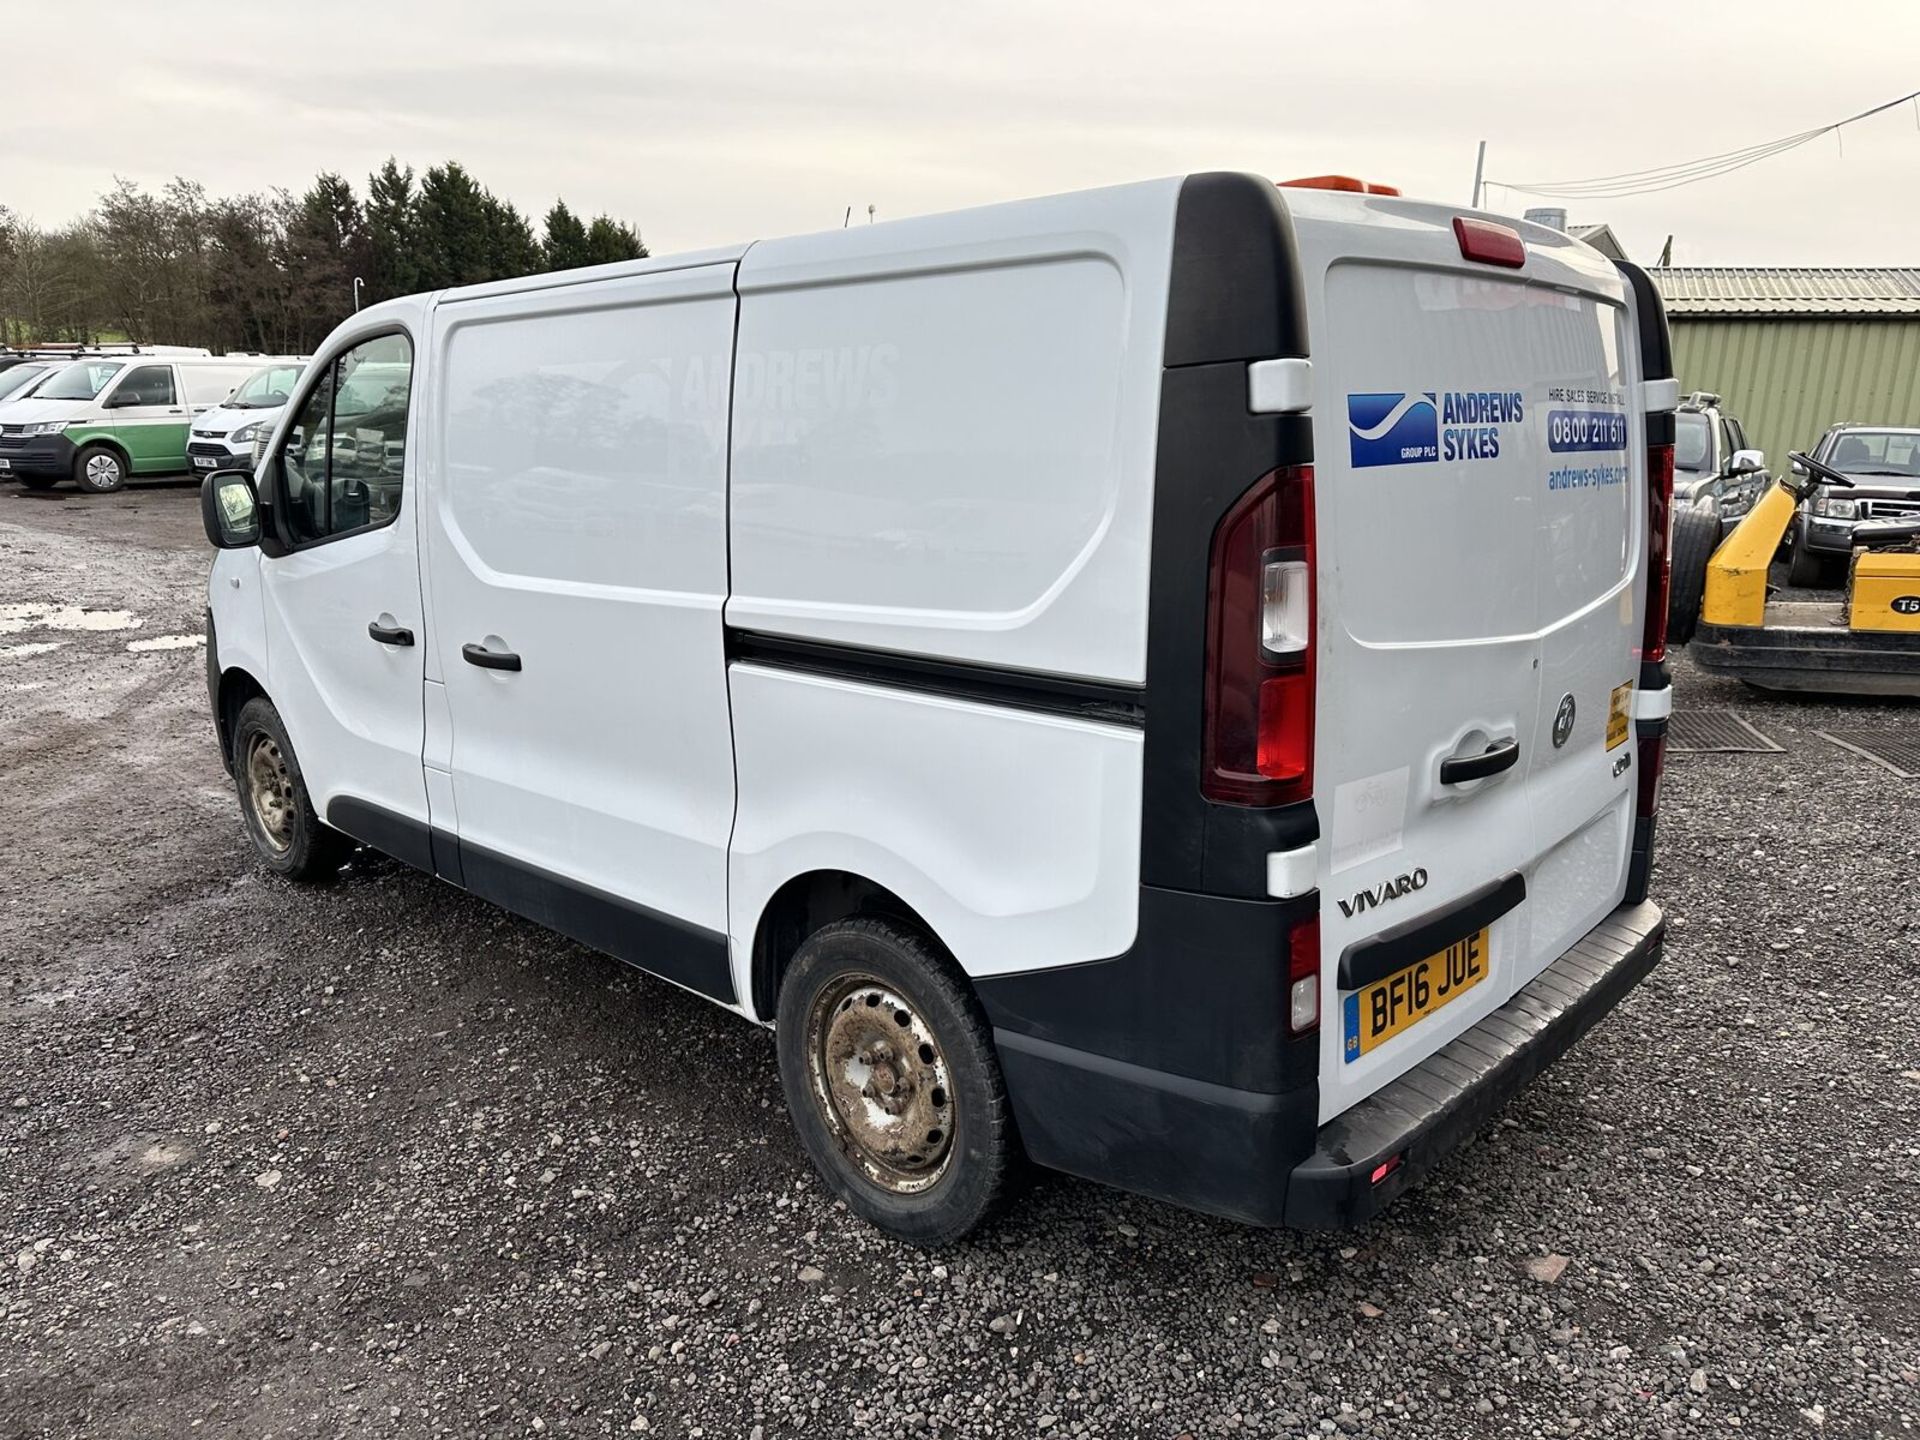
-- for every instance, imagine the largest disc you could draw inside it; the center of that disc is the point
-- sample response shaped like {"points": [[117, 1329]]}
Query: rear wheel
{"points": [[1696, 535], [287, 834], [890, 1076], [100, 470]]}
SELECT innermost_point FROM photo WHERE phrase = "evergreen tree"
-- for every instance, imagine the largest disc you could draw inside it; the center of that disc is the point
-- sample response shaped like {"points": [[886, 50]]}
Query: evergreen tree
{"points": [[391, 237], [565, 245], [609, 240], [453, 224], [511, 248]]}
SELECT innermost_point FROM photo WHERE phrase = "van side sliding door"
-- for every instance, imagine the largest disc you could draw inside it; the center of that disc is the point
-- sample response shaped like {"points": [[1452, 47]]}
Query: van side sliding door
{"points": [[576, 555]]}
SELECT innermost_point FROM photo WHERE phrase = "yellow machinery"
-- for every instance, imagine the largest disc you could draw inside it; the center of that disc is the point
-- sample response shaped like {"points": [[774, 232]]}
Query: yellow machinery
{"points": [[1867, 643]]}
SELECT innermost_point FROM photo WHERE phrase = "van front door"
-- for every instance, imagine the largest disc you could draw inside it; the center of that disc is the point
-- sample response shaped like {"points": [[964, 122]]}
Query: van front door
{"points": [[150, 419], [577, 565], [344, 620]]}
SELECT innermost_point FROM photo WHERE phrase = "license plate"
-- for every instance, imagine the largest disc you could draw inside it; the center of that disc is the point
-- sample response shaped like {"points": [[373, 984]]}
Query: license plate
{"points": [[1376, 1013], [205, 462], [6, 464]]}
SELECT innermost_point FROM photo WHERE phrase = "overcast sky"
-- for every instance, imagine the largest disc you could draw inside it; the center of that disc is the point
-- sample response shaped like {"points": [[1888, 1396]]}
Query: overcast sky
{"points": [[709, 121]]}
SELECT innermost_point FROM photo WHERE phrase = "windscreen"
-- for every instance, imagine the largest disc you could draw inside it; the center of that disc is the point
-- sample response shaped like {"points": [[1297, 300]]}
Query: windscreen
{"points": [[1692, 443], [81, 380], [266, 388]]}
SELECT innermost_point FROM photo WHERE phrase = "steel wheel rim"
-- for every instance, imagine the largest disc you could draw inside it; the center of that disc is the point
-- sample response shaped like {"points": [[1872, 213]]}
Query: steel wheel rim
{"points": [[102, 469], [270, 792], [880, 1080]]}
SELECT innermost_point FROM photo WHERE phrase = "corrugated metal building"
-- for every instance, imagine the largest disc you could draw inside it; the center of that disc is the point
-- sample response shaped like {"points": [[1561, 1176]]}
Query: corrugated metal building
{"points": [[1794, 350]]}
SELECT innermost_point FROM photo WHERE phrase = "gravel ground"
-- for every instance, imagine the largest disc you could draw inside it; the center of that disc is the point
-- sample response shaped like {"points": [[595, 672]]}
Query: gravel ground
{"points": [[375, 1157]]}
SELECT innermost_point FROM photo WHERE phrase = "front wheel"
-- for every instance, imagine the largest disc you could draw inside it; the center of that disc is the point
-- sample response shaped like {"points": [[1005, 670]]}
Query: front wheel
{"points": [[99, 470], [890, 1076], [1810, 571], [287, 834]]}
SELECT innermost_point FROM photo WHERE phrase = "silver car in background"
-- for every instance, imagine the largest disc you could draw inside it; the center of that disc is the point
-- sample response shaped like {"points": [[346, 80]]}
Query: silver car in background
{"points": [[1714, 470]]}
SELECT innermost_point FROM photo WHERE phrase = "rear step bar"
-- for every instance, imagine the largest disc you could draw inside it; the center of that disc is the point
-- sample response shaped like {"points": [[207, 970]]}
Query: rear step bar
{"points": [[1368, 1155]]}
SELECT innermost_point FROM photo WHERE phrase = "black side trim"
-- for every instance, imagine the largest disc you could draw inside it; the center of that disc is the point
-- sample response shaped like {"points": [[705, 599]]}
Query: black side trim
{"points": [[446, 857], [1235, 289], [660, 944], [1650, 313], [1201, 993], [1207, 1147], [1640, 860], [400, 836], [956, 680], [1395, 949], [1236, 294], [1439, 1104]]}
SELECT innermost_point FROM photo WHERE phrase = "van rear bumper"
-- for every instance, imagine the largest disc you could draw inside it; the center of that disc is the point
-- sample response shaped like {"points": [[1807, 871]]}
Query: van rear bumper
{"points": [[1258, 1158], [1442, 1102]]}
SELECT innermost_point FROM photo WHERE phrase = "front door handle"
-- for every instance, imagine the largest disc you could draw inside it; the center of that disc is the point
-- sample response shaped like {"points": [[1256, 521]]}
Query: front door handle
{"points": [[1496, 757], [489, 659], [390, 634]]}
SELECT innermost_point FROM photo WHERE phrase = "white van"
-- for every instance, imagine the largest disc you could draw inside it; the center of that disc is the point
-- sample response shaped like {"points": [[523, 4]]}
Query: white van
{"points": [[108, 417], [224, 437], [1166, 682]]}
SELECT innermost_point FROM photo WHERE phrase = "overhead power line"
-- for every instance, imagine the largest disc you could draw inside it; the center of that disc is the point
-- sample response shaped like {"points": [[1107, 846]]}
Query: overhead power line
{"points": [[1686, 172]]}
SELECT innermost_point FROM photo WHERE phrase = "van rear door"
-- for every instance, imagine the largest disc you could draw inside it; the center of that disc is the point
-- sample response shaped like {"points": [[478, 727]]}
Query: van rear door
{"points": [[1477, 562]]}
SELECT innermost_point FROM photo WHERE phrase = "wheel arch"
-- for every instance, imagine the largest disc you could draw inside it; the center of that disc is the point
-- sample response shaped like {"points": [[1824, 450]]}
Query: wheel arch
{"points": [[104, 441], [236, 688], [802, 905]]}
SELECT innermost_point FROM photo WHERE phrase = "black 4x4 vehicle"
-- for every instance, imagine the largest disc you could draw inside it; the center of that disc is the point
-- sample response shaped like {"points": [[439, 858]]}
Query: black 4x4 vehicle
{"points": [[1714, 471], [1883, 461]]}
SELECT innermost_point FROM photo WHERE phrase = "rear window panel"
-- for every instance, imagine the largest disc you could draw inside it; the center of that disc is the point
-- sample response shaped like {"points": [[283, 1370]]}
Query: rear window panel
{"points": [[1480, 463]]}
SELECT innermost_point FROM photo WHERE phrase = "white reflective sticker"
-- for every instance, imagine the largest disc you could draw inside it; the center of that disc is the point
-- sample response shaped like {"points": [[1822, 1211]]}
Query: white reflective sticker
{"points": [[1369, 816]]}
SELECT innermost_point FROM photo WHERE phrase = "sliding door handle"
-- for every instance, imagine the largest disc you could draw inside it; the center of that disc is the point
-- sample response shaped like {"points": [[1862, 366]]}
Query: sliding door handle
{"points": [[489, 659], [390, 634], [1496, 757]]}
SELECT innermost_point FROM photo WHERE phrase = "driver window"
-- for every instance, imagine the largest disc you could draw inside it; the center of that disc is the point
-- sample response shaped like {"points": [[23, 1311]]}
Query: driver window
{"points": [[344, 457], [147, 385]]}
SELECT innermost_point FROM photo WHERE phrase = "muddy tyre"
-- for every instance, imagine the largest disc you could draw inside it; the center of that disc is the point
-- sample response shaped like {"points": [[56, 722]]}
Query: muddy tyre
{"points": [[290, 839], [1696, 535], [890, 1075], [100, 470]]}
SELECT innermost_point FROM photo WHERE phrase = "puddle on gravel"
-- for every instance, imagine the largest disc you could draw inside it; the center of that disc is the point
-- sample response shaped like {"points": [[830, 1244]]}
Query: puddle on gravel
{"points": [[168, 642], [15, 618], [33, 647]]}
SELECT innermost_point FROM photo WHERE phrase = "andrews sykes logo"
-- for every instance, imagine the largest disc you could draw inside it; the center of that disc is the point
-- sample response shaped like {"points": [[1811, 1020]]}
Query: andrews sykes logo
{"points": [[1393, 428]]}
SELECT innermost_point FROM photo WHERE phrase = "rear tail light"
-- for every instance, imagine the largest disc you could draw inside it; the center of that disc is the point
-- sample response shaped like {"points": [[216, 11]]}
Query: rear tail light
{"points": [[1659, 563], [1653, 769], [1303, 976], [1488, 243], [1259, 683]]}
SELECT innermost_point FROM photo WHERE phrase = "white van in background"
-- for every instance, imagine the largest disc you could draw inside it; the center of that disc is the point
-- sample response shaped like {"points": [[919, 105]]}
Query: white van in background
{"points": [[223, 438], [1166, 681]]}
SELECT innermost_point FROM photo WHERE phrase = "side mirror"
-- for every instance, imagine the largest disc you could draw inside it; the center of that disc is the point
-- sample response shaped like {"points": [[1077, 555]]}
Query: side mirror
{"points": [[116, 402], [230, 510], [1747, 462]]}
